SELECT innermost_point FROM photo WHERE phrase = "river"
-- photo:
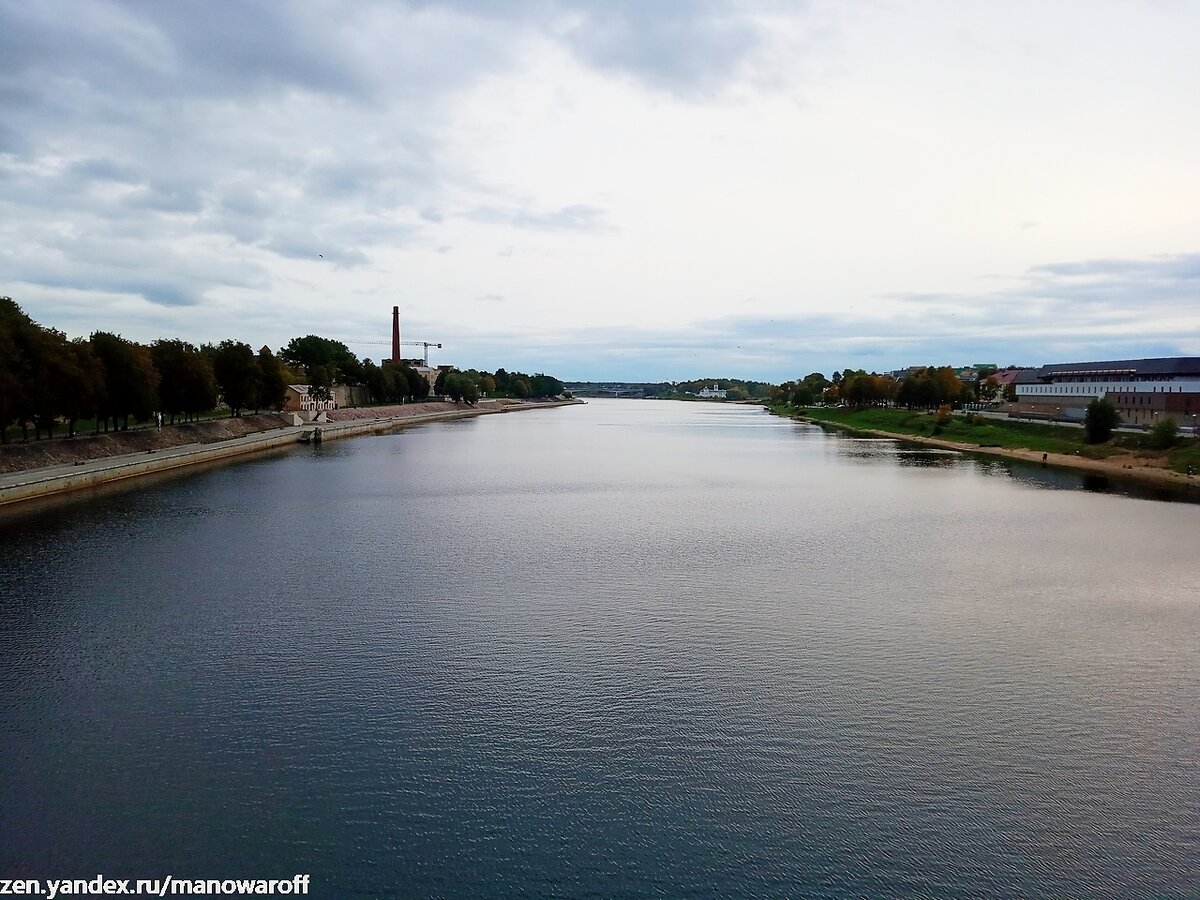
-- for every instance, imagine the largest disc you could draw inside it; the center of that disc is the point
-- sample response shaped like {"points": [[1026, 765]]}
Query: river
{"points": [[632, 648]]}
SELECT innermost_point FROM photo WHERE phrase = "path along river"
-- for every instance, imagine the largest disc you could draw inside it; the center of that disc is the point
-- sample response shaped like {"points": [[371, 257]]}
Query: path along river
{"points": [[632, 648]]}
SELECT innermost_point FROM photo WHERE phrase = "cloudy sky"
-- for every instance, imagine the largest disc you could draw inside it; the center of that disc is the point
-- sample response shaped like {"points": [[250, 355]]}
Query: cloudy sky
{"points": [[623, 189]]}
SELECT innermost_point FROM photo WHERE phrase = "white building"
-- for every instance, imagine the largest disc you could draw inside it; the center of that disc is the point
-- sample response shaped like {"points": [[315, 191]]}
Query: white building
{"points": [[298, 399], [712, 393], [1144, 390]]}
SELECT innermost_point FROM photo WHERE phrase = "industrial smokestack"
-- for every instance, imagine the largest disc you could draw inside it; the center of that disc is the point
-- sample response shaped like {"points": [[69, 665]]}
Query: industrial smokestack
{"points": [[395, 334]]}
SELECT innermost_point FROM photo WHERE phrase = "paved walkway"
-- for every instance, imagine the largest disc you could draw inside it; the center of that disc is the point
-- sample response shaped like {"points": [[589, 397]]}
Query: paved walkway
{"points": [[113, 464], [43, 482]]}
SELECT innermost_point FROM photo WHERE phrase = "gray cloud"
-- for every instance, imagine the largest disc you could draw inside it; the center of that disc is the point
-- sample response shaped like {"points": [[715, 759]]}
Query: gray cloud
{"points": [[690, 49], [159, 292], [578, 217], [682, 47], [307, 246], [1041, 320], [143, 50], [95, 169], [295, 129], [1167, 268], [168, 150]]}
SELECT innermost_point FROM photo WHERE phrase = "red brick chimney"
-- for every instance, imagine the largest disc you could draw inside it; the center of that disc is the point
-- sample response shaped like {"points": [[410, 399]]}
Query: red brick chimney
{"points": [[395, 334]]}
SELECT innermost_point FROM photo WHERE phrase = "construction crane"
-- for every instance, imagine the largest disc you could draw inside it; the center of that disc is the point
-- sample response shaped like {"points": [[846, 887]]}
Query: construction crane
{"points": [[424, 345]]}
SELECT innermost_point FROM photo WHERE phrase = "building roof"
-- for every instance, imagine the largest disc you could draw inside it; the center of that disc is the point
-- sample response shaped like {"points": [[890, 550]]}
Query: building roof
{"points": [[1171, 365], [1007, 376]]}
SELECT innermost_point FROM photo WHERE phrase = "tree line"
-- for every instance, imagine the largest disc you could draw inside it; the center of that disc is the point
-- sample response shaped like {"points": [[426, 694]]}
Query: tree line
{"points": [[48, 380], [922, 388], [471, 384], [735, 388]]}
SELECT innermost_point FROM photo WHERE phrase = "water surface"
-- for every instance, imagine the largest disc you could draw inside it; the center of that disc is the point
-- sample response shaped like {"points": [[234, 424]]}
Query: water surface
{"points": [[634, 648]]}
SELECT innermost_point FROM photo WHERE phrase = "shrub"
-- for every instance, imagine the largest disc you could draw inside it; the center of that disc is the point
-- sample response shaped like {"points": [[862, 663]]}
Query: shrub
{"points": [[1163, 434], [1100, 420]]}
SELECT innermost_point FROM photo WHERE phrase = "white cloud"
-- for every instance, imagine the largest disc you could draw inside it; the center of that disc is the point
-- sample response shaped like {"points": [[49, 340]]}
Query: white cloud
{"points": [[895, 183]]}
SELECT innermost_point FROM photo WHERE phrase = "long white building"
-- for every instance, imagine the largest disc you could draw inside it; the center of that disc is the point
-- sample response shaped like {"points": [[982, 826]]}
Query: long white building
{"points": [[1144, 390]]}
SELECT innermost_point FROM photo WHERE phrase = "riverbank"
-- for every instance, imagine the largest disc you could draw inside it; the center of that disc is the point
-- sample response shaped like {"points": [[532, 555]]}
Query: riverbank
{"points": [[88, 470], [1047, 447]]}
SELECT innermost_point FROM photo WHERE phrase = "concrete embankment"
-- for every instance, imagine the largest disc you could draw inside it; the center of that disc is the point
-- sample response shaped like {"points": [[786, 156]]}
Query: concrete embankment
{"points": [[51, 480]]}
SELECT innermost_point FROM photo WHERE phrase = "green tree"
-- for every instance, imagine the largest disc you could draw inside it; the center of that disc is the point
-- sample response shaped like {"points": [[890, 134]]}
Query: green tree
{"points": [[376, 381], [418, 384], [274, 379], [168, 358], [200, 386], [395, 382], [931, 387], [1163, 434], [544, 386], [311, 352], [57, 381], [803, 395], [461, 388], [188, 385], [238, 376], [320, 386], [130, 377], [816, 382], [88, 392], [1100, 420], [44, 378], [17, 332], [470, 392]]}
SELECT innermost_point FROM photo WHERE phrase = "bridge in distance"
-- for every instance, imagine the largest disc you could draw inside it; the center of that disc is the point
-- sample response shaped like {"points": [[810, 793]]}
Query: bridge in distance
{"points": [[606, 390]]}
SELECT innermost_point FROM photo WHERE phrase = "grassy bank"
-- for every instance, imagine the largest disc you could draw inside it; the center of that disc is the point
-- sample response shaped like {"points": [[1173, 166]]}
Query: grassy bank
{"points": [[987, 432]]}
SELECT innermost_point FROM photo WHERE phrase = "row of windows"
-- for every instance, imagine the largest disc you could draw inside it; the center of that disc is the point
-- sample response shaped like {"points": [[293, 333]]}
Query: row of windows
{"points": [[1055, 389], [1061, 388], [1108, 379]]}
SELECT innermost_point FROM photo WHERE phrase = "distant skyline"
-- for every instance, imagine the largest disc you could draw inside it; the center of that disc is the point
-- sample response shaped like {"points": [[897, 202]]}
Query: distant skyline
{"points": [[619, 190]]}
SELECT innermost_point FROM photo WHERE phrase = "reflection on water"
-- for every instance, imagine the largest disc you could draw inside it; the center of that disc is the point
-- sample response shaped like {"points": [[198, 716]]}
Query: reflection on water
{"points": [[632, 648], [873, 450]]}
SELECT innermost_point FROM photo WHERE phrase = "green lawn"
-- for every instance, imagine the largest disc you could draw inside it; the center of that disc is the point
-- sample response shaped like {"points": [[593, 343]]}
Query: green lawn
{"points": [[85, 427], [1188, 455], [987, 432]]}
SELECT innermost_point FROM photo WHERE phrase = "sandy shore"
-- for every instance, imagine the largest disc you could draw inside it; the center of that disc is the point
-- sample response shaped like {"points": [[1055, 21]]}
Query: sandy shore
{"points": [[1124, 466]]}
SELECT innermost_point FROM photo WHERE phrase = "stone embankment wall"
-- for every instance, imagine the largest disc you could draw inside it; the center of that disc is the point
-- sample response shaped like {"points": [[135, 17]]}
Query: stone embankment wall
{"points": [[65, 451], [88, 472]]}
